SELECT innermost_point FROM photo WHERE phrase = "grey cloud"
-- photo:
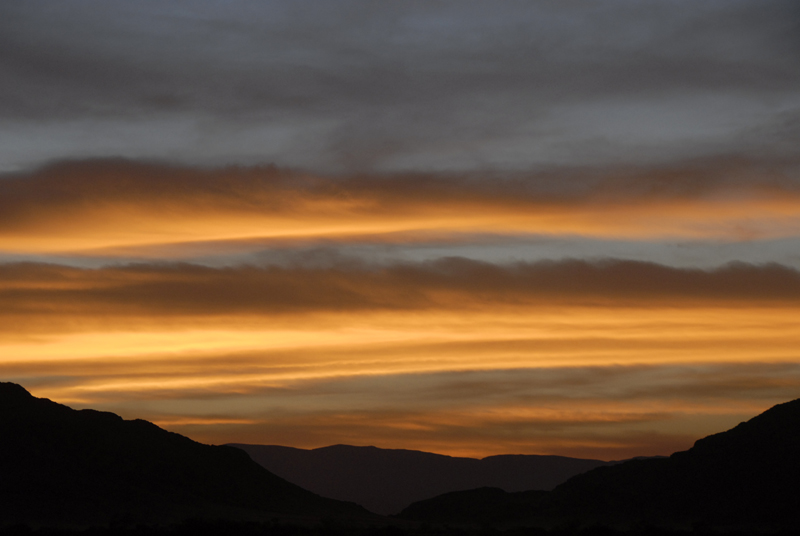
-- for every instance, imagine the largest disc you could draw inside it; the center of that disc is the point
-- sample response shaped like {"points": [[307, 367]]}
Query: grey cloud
{"points": [[505, 250], [73, 183], [418, 84]]}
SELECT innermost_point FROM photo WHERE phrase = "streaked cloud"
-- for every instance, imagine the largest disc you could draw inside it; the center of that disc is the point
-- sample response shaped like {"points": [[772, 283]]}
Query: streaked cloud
{"points": [[117, 208], [602, 359], [607, 412], [181, 290]]}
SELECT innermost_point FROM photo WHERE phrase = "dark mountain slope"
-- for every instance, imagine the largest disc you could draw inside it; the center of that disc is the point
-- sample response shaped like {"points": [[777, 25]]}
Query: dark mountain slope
{"points": [[62, 466], [387, 480], [749, 474], [747, 477]]}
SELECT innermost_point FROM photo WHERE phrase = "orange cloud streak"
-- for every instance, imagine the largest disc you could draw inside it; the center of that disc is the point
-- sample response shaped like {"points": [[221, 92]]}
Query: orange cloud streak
{"points": [[111, 207], [61, 298], [212, 346], [170, 329]]}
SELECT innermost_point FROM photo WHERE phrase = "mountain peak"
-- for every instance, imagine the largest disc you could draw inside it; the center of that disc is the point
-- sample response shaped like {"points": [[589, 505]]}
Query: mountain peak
{"points": [[64, 466], [11, 391], [744, 478], [765, 435]]}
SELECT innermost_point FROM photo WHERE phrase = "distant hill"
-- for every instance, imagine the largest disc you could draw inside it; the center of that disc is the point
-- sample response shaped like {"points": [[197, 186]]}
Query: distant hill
{"points": [[387, 480], [745, 478], [63, 467]]}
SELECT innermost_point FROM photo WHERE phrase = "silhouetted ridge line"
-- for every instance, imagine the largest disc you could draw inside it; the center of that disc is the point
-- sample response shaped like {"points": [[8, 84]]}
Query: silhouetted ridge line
{"points": [[66, 467], [387, 480], [745, 478]]}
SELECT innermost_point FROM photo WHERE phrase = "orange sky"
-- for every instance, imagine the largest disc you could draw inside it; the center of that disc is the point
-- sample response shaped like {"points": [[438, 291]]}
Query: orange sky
{"points": [[468, 227], [592, 358], [645, 358]]}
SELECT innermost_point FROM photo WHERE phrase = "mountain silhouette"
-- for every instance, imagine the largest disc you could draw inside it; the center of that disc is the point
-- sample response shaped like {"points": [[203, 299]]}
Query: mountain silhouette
{"points": [[387, 480], [63, 467], [745, 478]]}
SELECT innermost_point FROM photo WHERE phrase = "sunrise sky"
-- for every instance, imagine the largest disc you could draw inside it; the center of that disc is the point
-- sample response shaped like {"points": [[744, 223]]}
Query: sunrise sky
{"points": [[471, 228]]}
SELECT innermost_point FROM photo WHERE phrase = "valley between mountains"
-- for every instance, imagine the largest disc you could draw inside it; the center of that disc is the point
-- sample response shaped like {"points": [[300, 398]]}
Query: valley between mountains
{"points": [[68, 470], [386, 481]]}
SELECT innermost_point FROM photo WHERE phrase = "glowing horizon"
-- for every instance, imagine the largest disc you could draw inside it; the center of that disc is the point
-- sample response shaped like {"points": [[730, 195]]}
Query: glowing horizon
{"points": [[144, 338]]}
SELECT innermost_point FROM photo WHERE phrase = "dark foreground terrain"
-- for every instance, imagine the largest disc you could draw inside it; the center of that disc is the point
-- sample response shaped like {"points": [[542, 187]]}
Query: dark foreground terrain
{"points": [[747, 479], [69, 468], [226, 528], [88, 472]]}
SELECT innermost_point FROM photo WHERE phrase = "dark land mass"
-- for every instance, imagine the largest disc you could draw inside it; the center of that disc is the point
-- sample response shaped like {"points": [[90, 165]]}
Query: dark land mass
{"points": [[387, 480], [65, 468], [745, 479], [87, 472]]}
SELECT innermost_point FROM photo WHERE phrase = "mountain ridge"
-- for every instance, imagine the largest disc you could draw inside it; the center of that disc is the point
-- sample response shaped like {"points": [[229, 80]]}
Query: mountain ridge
{"points": [[387, 480], [87, 467], [745, 478], [78, 468]]}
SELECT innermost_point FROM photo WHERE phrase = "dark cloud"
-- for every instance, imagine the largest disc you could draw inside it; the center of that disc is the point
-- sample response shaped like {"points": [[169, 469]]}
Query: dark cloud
{"points": [[94, 184], [312, 50], [416, 85], [47, 295]]}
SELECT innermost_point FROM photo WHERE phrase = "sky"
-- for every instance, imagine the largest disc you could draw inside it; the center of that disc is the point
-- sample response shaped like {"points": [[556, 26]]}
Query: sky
{"points": [[473, 228]]}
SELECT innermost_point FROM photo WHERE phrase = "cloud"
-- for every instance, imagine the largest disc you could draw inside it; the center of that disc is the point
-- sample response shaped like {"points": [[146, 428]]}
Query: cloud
{"points": [[158, 328], [451, 85], [607, 412], [607, 359], [39, 291], [519, 47], [119, 208]]}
